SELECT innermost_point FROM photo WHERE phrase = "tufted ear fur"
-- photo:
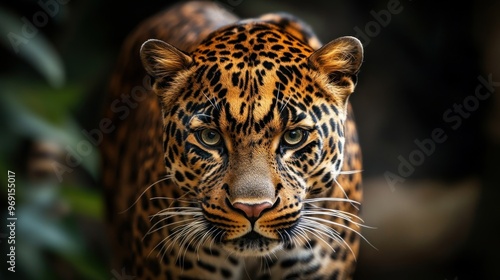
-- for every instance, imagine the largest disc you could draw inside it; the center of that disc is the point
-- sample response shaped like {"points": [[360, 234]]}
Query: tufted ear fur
{"points": [[162, 60], [340, 60]]}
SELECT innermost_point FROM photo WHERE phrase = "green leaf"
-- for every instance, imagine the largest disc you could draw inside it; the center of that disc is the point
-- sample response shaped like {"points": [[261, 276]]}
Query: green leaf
{"points": [[53, 105], [27, 41], [85, 202], [69, 135], [87, 268]]}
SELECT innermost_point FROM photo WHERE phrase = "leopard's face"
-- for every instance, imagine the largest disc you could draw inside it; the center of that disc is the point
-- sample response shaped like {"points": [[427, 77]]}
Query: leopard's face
{"points": [[253, 132]]}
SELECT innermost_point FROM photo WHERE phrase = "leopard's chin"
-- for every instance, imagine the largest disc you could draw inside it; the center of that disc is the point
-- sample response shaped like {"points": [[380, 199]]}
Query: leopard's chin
{"points": [[252, 244]]}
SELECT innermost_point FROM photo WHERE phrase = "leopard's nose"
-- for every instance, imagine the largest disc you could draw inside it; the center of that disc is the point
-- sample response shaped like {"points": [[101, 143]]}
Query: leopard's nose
{"points": [[252, 211]]}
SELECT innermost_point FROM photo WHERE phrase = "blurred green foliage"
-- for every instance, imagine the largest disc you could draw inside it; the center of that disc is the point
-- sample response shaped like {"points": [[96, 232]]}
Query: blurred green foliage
{"points": [[38, 103]]}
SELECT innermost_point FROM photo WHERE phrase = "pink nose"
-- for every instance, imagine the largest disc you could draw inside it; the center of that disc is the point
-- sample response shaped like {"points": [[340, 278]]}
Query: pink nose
{"points": [[252, 211]]}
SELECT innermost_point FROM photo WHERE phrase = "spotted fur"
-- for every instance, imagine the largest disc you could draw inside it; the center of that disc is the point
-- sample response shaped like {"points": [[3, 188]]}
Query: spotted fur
{"points": [[234, 155]]}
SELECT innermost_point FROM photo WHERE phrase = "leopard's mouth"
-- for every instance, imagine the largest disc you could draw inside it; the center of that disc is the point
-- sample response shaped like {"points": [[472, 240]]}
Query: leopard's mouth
{"points": [[252, 244], [253, 238]]}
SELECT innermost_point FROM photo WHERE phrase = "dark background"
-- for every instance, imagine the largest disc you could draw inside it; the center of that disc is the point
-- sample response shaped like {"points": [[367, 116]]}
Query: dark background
{"points": [[439, 222]]}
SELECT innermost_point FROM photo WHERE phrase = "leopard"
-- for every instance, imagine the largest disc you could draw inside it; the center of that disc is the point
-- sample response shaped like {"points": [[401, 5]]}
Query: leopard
{"points": [[230, 149]]}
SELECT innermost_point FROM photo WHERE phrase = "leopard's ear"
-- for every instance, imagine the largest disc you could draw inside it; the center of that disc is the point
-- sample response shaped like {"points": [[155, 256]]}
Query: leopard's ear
{"points": [[162, 60], [340, 61]]}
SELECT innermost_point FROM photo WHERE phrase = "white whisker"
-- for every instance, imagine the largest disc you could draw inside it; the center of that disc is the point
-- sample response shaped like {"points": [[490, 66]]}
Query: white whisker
{"points": [[203, 240], [150, 186], [151, 231], [348, 172], [175, 199], [211, 102], [330, 199], [313, 229], [183, 232], [333, 212], [195, 237], [320, 221], [343, 191], [285, 103], [218, 231], [301, 234], [187, 235], [335, 236], [178, 211]]}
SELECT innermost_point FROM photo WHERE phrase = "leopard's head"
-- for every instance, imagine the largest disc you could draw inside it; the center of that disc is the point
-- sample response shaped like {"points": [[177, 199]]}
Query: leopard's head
{"points": [[253, 131]]}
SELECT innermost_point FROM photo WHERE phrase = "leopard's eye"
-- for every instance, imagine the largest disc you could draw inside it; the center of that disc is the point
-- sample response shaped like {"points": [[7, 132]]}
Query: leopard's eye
{"points": [[210, 137], [293, 138]]}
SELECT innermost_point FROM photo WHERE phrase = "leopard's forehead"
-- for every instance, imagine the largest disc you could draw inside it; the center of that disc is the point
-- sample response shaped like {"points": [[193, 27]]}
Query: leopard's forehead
{"points": [[248, 42], [255, 72]]}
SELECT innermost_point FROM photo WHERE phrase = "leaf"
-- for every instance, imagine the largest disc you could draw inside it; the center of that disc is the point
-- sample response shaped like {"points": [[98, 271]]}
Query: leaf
{"points": [[27, 41], [85, 202], [69, 134], [87, 268]]}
